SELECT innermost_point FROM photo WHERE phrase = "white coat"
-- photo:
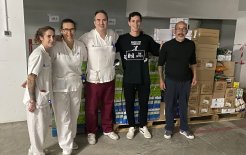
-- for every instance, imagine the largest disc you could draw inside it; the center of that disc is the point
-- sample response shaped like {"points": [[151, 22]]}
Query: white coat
{"points": [[101, 56], [39, 63], [67, 87], [67, 66]]}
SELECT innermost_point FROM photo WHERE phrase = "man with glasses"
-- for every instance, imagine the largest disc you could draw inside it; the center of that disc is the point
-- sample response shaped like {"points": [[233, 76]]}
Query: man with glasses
{"points": [[100, 43], [67, 56], [178, 57]]}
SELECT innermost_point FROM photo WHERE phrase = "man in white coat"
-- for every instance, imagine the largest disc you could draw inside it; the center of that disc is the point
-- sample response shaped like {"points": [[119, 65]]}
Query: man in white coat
{"points": [[100, 85], [67, 57]]}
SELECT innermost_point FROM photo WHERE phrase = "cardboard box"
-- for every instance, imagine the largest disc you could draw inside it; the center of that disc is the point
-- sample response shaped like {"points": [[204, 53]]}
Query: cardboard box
{"points": [[205, 100], [193, 110], [206, 87], [229, 102], [206, 51], [195, 90], [206, 40], [230, 93], [206, 36], [205, 75], [218, 95], [220, 86], [206, 64], [229, 81], [204, 105], [204, 109], [202, 32], [193, 99]]}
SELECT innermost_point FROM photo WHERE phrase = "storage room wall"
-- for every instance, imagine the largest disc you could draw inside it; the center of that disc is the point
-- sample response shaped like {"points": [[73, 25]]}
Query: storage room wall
{"points": [[12, 61], [36, 14]]}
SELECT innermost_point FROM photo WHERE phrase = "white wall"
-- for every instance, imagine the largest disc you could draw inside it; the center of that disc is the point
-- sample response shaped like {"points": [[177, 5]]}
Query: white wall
{"points": [[12, 62], [240, 39], [203, 9], [81, 11]]}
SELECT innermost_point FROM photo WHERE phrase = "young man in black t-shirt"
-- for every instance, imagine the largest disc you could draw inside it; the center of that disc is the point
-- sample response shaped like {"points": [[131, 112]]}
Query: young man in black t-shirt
{"points": [[134, 48], [178, 56]]}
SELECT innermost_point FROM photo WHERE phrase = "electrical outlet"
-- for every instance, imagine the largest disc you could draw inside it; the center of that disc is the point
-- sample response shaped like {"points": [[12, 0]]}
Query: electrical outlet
{"points": [[7, 33]]}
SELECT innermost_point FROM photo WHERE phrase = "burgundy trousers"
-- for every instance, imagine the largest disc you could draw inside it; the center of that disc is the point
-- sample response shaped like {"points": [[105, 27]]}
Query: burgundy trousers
{"points": [[99, 96]]}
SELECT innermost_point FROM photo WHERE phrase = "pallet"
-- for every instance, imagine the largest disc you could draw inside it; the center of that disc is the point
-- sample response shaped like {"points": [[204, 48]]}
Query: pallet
{"points": [[191, 120], [161, 123], [232, 116], [121, 127], [202, 119]]}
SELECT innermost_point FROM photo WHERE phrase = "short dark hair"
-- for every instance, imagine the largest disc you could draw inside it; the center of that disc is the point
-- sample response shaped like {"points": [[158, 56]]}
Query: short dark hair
{"points": [[134, 14], [68, 20], [101, 11], [40, 33]]}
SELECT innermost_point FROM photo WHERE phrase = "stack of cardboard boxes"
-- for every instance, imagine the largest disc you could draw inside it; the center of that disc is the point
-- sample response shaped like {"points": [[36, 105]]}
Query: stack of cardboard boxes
{"points": [[200, 100], [211, 96]]}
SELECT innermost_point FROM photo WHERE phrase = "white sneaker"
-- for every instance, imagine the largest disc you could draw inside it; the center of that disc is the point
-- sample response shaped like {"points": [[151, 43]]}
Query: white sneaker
{"points": [[75, 146], [144, 130], [111, 135], [188, 134], [167, 134], [130, 133], [91, 138], [30, 152], [66, 152]]}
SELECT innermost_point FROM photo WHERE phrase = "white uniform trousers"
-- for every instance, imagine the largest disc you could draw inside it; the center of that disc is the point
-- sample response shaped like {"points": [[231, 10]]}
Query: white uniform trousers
{"points": [[66, 108], [38, 125]]}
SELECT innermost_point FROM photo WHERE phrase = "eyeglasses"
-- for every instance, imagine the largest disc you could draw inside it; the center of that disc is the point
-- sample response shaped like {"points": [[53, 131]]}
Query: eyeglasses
{"points": [[182, 30], [68, 30]]}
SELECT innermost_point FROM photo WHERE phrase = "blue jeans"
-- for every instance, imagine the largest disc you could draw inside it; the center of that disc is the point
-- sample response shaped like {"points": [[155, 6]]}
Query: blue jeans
{"points": [[176, 92]]}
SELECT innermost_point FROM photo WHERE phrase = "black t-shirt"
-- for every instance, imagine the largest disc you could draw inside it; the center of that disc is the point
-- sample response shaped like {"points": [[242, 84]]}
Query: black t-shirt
{"points": [[134, 55], [177, 58]]}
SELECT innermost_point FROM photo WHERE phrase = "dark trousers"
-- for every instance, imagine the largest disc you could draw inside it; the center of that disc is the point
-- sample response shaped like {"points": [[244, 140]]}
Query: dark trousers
{"points": [[176, 92], [143, 96], [100, 95]]}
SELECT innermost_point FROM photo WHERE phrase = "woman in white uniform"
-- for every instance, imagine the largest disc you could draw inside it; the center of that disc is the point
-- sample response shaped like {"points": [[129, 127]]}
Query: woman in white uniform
{"points": [[38, 92], [67, 57]]}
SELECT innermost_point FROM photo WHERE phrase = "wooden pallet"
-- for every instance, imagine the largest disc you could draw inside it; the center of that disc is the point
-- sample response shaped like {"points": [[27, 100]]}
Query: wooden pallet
{"points": [[161, 123], [202, 119], [229, 117], [121, 127], [191, 120]]}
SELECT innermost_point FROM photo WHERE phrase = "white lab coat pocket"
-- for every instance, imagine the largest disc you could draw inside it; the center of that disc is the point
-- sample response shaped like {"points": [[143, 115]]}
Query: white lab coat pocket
{"points": [[92, 76], [43, 99]]}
